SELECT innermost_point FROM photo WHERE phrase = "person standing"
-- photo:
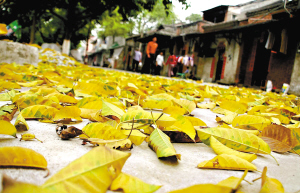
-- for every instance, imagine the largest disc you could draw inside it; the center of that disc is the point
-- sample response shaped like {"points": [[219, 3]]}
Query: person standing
{"points": [[172, 61], [136, 60], [159, 63], [149, 66]]}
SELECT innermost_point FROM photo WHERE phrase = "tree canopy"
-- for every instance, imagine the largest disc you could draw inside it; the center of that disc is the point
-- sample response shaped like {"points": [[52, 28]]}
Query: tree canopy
{"points": [[193, 17], [70, 16]]}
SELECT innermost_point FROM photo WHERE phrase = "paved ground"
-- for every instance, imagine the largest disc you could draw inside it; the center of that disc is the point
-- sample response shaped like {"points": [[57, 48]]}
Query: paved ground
{"points": [[144, 164]]}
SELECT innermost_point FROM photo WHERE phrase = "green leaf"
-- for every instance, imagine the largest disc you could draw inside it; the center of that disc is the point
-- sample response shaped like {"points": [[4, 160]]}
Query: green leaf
{"points": [[161, 144]]}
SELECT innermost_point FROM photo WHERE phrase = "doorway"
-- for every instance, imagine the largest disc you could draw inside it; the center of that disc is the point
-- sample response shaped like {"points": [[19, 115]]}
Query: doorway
{"points": [[221, 51], [261, 65]]}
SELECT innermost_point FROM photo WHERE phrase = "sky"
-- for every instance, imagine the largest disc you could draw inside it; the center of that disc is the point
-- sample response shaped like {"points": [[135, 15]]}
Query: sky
{"points": [[197, 6]]}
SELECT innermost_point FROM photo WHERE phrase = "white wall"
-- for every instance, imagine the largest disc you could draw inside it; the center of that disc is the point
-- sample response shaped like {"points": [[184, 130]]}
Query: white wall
{"points": [[232, 55], [295, 79], [18, 53]]}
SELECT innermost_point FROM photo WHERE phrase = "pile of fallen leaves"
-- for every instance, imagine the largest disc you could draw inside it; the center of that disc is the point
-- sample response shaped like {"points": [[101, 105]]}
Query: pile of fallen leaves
{"points": [[127, 109]]}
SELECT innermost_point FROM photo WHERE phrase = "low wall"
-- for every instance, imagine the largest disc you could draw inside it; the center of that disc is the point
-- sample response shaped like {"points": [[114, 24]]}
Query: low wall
{"points": [[19, 53]]}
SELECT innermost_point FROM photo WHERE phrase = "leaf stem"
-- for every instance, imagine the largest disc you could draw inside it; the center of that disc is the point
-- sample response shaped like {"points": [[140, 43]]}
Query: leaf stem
{"points": [[274, 159]]}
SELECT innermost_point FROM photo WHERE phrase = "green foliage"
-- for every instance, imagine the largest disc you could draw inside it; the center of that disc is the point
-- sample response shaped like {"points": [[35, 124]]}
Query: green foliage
{"points": [[113, 25], [160, 14], [65, 19], [194, 17]]}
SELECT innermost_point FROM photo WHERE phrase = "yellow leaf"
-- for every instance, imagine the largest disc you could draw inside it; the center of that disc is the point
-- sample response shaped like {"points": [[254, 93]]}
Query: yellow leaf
{"points": [[27, 100], [93, 105], [235, 139], [110, 109], [86, 100], [189, 106], [227, 118], [171, 110], [145, 117], [7, 128], [21, 157], [233, 182], [221, 111], [227, 162], [136, 136], [9, 186], [131, 184], [206, 105], [235, 107], [39, 112], [196, 121], [204, 188], [182, 124], [252, 121], [21, 123], [89, 173], [112, 143], [102, 131], [68, 112], [64, 98], [258, 108], [270, 185], [156, 103], [86, 113], [161, 144], [219, 149], [31, 84]]}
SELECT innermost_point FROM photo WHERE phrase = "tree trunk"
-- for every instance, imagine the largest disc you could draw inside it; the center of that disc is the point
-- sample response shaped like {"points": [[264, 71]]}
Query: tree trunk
{"points": [[67, 42], [32, 32]]}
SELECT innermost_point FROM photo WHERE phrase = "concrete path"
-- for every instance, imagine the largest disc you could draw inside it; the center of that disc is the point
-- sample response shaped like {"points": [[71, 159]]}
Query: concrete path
{"points": [[144, 164]]}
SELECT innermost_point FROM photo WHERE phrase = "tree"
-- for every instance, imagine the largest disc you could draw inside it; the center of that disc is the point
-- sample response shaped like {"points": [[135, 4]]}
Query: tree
{"points": [[79, 12], [193, 17], [113, 25], [160, 14], [26, 12], [74, 14]]}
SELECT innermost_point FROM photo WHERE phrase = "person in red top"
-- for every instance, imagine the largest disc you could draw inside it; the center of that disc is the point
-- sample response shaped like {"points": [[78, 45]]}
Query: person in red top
{"points": [[149, 66], [172, 61]]}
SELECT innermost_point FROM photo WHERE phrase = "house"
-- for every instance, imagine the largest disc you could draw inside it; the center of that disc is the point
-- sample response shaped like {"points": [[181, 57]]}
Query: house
{"points": [[255, 42], [170, 39]]}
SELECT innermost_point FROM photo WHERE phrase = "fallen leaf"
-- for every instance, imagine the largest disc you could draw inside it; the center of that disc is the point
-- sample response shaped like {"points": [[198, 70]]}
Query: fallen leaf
{"points": [[227, 162], [112, 144], [235, 107], [196, 121], [206, 105], [174, 110], [235, 139], [233, 182], [89, 173], [21, 157], [7, 112], [39, 112], [145, 117], [182, 124], [270, 185], [189, 106], [161, 144], [204, 188], [220, 149], [110, 109], [69, 132], [21, 124], [7, 128], [257, 122], [131, 184], [69, 112], [279, 138]]}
